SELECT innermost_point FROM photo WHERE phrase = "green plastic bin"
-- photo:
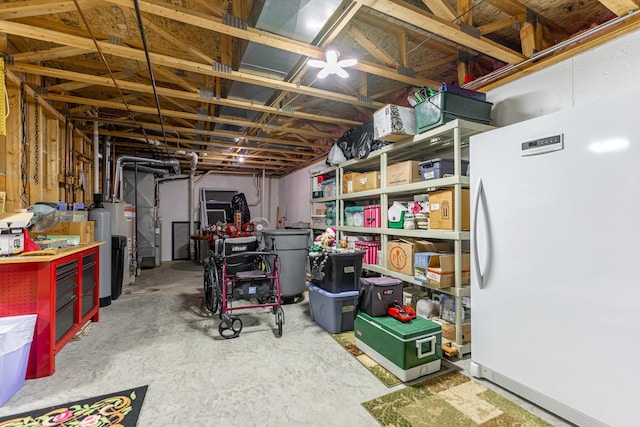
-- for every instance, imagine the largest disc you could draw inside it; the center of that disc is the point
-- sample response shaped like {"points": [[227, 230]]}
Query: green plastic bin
{"points": [[446, 106]]}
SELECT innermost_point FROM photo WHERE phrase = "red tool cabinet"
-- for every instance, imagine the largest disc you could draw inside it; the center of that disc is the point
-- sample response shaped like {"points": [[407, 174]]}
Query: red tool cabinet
{"points": [[62, 289]]}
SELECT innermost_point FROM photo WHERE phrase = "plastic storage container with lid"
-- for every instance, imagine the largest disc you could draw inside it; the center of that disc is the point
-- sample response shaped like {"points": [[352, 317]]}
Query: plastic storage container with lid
{"points": [[437, 168], [336, 271], [329, 187], [354, 216], [335, 312]]}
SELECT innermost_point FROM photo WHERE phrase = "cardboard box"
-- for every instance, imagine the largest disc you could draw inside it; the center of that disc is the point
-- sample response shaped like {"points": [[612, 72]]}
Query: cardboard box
{"points": [[400, 254], [442, 207], [73, 216], [421, 265], [441, 270], [348, 179], [84, 229], [449, 330], [403, 173], [367, 181], [394, 123]]}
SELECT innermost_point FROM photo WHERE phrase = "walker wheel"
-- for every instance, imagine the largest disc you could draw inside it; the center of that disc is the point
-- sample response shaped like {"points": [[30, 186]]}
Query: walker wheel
{"points": [[230, 327], [279, 320]]}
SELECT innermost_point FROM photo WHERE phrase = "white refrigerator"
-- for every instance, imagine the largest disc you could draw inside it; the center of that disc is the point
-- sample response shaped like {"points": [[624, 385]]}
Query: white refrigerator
{"points": [[555, 291]]}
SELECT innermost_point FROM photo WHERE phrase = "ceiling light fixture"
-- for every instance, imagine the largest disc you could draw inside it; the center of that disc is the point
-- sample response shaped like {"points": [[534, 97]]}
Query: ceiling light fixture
{"points": [[332, 65]]}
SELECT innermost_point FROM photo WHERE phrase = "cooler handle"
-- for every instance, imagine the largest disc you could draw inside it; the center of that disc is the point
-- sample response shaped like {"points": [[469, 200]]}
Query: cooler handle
{"points": [[432, 346]]}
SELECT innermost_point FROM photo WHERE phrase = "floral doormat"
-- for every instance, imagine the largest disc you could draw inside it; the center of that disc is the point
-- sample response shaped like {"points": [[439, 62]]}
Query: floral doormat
{"points": [[348, 341], [452, 399], [115, 409]]}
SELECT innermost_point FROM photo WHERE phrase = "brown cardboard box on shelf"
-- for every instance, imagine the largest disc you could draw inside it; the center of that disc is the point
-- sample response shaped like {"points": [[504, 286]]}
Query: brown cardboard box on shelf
{"points": [[367, 181], [449, 330], [400, 253], [403, 173], [348, 180], [441, 270], [84, 229], [442, 207]]}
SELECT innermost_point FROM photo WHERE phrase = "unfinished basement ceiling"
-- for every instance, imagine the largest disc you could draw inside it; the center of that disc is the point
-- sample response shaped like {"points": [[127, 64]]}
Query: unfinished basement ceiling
{"points": [[230, 76]]}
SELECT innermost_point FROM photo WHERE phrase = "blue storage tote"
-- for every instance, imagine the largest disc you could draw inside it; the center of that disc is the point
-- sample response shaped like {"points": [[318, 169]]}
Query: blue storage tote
{"points": [[437, 168], [335, 312]]}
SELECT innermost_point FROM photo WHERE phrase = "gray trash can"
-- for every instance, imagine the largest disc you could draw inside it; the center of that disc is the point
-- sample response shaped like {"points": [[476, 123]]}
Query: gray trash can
{"points": [[292, 247]]}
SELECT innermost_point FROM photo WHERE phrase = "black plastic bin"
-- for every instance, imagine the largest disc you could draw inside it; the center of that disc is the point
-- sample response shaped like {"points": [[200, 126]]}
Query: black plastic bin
{"points": [[118, 249], [336, 272]]}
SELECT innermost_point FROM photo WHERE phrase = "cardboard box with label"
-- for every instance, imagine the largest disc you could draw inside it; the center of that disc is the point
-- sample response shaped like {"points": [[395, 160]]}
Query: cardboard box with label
{"points": [[442, 208], [84, 229], [400, 254], [348, 180], [403, 173], [394, 123], [421, 265], [367, 181], [441, 270]]}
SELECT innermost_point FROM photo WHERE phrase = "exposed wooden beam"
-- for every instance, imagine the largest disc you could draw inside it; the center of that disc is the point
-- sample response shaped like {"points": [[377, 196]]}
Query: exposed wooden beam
{"points": [[242, 123], [177, 41], [619, 7], [421, 19], [441, 8], [213, 142], [503, 23], [437, 63], [164, 60], [625, 27], [49, 54], [527, 39], [20, 9], [370, 46], [190, 17], [515, 8], [138, 87]]}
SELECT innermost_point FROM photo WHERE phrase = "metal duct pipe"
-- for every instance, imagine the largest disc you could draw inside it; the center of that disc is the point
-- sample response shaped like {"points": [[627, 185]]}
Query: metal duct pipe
{"points": [[106, 170], [148, 169], [264, 179], [117, 187], [192, 245], [96, 159]]}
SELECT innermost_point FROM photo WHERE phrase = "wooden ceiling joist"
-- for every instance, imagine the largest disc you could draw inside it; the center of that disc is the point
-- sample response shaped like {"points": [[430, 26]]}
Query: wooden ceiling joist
{"points": [[190, 17], [22, 9], [451, 31], [190, 96]]}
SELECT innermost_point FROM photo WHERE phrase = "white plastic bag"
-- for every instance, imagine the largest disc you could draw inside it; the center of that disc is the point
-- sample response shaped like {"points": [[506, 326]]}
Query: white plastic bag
{"points": [[16, 331]]}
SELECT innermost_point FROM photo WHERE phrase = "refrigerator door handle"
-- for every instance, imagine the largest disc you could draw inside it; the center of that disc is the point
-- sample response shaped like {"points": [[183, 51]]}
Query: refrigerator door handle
{"points": [[474, 228]]}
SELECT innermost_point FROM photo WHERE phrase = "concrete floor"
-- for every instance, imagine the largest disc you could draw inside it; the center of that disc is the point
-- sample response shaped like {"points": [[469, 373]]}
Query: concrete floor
{"points": [[157, 334]]}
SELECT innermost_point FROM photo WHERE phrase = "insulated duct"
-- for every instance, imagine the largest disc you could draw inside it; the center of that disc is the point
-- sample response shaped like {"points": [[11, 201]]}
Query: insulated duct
{"points": [[300, 20], [140, 161]]}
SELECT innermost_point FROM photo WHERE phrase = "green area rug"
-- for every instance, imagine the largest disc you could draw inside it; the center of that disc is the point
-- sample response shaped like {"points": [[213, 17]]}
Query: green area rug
{"points": [[119, 409], [348, 341], [452, 399]]}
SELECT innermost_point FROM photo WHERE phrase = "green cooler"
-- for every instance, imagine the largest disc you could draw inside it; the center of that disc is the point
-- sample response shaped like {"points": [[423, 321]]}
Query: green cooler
{"points": [[407, 350]]}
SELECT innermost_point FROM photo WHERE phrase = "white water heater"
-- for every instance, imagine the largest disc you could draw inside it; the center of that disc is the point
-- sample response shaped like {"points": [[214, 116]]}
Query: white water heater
{"points": [[123, 219]]}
